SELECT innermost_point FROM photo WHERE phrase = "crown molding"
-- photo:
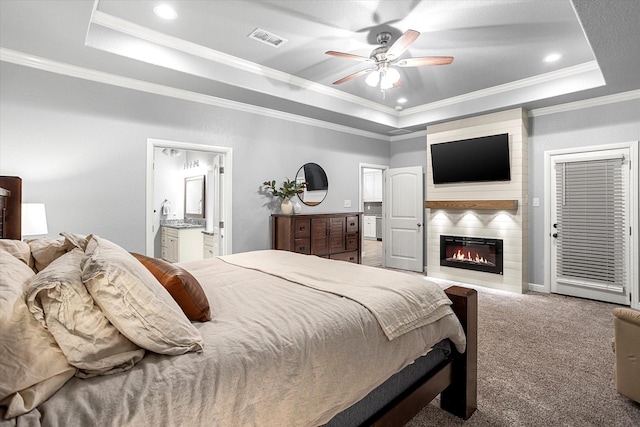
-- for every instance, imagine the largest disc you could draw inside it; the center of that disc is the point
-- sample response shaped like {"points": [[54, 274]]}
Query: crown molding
{"points": [[44, 64], [507, 87], [416, 134], [586, 103], [144, 33]]}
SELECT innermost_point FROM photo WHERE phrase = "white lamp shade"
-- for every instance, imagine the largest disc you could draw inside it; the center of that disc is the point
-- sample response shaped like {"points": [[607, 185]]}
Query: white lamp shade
{"points": [[393, 75], [34, 219], [389, 78], [373, 78]]}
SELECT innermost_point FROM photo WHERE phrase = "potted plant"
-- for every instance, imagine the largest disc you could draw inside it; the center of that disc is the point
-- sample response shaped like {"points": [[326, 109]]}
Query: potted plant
{"points": [[285, 192]]}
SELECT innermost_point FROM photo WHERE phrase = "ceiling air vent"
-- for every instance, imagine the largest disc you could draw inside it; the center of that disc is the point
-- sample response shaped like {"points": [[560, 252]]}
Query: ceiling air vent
{"points": [[267, 38]]}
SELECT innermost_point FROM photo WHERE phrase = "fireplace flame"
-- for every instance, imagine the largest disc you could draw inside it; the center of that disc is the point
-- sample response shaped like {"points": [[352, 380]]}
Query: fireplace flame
{"points": [[460, 256]]}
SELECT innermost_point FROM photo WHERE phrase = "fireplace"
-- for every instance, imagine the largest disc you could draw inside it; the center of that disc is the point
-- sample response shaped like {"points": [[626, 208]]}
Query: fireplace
{"points": [[471, 253]]}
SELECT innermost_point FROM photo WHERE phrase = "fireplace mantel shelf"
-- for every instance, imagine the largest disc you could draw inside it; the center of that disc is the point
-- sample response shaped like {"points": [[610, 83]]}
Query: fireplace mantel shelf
{"points": [[472, 204]]}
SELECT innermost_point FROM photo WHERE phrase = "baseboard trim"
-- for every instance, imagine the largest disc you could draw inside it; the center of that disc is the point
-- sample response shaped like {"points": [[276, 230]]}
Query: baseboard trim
{"points": [[537, 288]]}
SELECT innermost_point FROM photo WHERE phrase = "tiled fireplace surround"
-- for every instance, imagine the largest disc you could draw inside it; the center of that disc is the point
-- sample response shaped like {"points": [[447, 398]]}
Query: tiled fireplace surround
{"points": [[496, 210]]}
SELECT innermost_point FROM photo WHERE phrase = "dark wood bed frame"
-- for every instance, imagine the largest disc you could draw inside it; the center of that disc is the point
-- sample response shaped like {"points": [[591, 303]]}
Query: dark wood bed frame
{"points": [[455, 379]]}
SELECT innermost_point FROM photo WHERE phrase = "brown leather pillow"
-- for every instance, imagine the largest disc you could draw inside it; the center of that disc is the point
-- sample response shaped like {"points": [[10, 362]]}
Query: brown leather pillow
{"points": [[183, 287]]}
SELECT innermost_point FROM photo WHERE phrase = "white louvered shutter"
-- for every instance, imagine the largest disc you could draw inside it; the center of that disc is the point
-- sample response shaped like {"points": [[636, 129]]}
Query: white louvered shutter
{"points": [[592, 223]]}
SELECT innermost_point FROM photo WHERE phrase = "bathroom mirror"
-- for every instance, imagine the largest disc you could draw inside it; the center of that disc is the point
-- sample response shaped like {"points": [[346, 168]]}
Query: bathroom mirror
{"points": [[194, 197], [317, 184]]}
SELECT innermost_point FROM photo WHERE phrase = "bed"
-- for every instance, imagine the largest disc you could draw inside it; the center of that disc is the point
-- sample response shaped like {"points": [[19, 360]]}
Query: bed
{"points": [[288, 341]]}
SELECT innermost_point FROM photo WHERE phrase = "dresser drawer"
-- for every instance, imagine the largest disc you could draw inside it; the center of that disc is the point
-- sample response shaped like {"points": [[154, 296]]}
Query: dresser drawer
{"points": [[346, 256], [353, 224], [327, 235], [352, 242], [302, 246], [302, 228]]}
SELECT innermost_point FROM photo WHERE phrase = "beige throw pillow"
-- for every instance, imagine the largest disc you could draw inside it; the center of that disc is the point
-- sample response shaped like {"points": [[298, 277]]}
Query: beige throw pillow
{"points": [[76, 240], [46, 250], [135, 302], [18, 249], [59, 300], [32, 366]]}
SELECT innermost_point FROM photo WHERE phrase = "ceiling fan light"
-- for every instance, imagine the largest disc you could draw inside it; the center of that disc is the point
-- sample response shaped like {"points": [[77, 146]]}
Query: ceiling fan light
{"points": [[385, 83], [373, 78], [392, 75]]}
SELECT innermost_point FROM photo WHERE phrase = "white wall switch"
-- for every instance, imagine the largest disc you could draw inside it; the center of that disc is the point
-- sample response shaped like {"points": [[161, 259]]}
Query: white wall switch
{"points": [[536, 201], [347, 203]]}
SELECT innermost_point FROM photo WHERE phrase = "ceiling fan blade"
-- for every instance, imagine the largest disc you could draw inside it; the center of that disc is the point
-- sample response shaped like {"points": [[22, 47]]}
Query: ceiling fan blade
{"points": [[353, 76], [425, 60], [348, 56], [402, 44]]}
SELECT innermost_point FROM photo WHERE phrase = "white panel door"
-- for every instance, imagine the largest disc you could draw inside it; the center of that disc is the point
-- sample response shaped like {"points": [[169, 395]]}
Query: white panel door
{"points": [[404, 213], [214, 178], [591, 246]]}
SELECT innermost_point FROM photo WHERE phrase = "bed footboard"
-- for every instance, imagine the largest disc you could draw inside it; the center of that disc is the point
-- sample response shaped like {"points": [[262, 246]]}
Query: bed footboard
{"points": [[455, 380], [460, 398]]}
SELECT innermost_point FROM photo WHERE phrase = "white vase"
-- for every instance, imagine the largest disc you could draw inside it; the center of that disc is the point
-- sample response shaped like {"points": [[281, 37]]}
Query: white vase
{"points": [[286, 208], [297, 207]]}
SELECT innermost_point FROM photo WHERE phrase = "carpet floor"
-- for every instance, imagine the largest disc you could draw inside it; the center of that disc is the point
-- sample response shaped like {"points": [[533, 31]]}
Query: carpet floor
{"points": [[543, 360]]}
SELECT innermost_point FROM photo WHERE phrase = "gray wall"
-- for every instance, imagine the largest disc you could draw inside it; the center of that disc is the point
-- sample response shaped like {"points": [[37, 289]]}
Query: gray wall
{"points": [[600, 125], [80, 148]]}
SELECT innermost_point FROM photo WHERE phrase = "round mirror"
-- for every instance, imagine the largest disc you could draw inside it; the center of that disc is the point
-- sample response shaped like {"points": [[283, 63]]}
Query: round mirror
{"points": [[317, 184]]}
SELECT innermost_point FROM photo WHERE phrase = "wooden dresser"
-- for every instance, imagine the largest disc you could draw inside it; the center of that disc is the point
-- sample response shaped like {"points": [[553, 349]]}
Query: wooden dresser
{"points": [[329, 235]]}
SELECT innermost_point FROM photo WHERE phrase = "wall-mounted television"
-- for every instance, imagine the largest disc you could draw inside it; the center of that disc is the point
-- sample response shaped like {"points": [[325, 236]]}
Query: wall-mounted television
{"points": [[471, 160]]}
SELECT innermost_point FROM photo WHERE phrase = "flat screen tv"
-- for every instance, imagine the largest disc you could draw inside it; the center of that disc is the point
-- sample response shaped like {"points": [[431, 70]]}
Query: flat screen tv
{"points": [[471, 160]]}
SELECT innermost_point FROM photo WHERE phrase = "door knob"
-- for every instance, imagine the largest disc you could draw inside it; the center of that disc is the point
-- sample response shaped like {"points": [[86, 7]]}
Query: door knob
{"points": [[555, 235], [419, 225]]}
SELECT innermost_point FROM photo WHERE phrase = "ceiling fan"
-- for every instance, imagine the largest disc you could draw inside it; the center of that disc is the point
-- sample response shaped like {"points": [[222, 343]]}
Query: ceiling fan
{"points": [[385, 57]]}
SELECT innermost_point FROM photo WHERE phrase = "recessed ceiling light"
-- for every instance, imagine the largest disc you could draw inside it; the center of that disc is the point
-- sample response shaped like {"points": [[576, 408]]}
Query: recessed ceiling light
{"points": [[553, 57], [402, 100], [399, 108], [165, 11]]}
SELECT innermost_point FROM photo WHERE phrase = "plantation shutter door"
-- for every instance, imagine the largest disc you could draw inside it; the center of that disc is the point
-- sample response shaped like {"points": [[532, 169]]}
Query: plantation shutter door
{"points": [[592, 223]]}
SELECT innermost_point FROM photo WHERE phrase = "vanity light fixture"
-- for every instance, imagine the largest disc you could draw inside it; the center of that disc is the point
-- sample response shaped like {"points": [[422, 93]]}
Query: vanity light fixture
{"points": [[165, 11], [192, 164]]}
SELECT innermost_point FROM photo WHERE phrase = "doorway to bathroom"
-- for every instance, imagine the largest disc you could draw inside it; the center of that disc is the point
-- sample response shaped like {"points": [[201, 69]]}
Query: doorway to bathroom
{"points": [[171, 167]]}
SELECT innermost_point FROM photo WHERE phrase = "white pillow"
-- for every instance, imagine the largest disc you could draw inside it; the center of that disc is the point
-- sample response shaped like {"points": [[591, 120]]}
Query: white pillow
{"points": [[59, 300], [135, 302], [32, 367]]}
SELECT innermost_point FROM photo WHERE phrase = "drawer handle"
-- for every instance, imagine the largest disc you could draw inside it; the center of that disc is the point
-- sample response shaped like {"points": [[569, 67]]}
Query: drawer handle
{"points": [[352, 224], [302, 248], [302, 228]]}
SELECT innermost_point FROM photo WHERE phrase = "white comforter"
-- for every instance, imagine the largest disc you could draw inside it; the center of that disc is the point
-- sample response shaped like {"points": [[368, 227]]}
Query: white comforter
{"points": [[275, 354]]}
